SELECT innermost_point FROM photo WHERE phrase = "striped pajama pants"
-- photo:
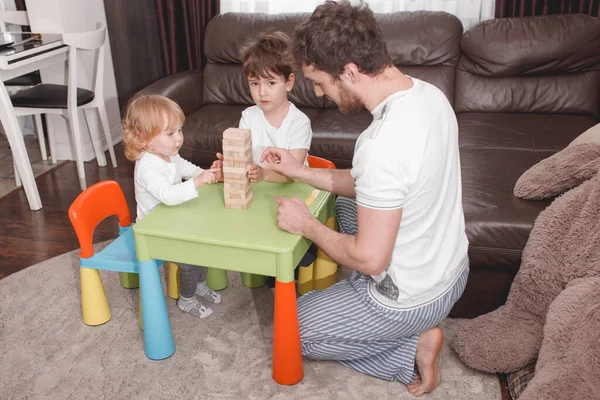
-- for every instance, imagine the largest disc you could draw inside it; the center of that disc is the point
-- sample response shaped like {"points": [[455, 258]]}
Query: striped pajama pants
{"points": [[344, 323]]}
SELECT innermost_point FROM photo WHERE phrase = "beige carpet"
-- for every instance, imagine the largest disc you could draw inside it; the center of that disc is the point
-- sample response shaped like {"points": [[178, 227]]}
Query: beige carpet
{"points": [[47, 352]]}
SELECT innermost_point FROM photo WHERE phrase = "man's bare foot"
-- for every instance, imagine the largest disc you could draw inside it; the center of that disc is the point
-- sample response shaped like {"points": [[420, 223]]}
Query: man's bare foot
{"points": [[428, 350]]}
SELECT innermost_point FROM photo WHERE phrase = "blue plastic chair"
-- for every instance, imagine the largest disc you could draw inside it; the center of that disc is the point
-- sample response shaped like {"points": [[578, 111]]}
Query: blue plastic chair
{"points": [[96, 203]]}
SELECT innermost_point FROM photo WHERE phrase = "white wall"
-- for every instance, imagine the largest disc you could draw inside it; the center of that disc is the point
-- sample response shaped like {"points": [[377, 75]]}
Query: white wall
{"points": [[470, 12], [50, 16]]}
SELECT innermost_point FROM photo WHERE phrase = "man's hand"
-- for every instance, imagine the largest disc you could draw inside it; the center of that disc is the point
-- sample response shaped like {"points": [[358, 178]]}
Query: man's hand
{"points": [[293, 215], [256, 173], [218, 166], [282, 162]]}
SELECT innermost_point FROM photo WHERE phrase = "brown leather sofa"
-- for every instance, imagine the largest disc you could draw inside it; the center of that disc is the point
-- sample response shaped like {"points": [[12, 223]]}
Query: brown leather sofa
{"points": [[522, 89]]}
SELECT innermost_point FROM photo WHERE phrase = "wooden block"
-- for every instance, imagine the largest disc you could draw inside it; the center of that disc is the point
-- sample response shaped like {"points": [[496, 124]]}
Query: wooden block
{"points": [[237, 191], [230, 201], [239, 194], [239, 204], [239, 201], [240, 189], [236, 133], [238, 155], [235, 170], [236, 145], [236, 141], [237, 179], [237, 174], [236, 164], [243, 186]]}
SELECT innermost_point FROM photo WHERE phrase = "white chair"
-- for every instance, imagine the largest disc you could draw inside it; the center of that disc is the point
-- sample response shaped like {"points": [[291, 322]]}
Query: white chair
{"points": [[67, 100], [25, 81]]}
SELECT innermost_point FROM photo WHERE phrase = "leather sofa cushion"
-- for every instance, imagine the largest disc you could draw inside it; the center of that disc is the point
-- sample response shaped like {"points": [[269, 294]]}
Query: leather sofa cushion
{"points": [[184, 88], [547, 64], [335, 134], [544, 45], [575, 93], [203, 132], [495, 149], [443, 77]]}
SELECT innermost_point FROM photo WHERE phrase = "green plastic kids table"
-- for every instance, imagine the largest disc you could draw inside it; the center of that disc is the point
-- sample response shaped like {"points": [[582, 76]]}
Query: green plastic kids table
{"points": [[203, 232]]}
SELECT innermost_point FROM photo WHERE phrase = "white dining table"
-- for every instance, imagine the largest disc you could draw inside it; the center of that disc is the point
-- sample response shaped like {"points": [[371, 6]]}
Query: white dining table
{"points": [[16, 60]]}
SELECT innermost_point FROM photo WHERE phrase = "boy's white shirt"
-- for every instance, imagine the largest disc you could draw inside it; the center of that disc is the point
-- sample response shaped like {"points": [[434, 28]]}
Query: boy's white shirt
{"points": [[158, 181], [294, 133], [408, 158]]}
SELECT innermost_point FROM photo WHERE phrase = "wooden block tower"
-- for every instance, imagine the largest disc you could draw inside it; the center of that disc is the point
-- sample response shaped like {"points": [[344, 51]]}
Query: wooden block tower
{"points": [[237, 159]]}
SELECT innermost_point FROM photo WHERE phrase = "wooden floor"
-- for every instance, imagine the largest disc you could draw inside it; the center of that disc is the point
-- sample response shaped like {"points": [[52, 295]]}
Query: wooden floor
{"points": [[29, 237]]}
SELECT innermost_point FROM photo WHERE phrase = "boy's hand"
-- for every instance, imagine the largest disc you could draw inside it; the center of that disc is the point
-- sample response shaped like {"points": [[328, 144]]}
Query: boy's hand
{"points": [[256, 173], [218, 165]]}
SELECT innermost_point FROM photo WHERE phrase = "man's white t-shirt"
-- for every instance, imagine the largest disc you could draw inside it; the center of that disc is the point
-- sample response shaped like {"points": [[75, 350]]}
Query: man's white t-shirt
{"points": [[294, 132], [408, 158], [157, 181]]}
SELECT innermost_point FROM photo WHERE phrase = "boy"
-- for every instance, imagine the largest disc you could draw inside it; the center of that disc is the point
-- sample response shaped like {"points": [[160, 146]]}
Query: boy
{"points": [[273, 121]]}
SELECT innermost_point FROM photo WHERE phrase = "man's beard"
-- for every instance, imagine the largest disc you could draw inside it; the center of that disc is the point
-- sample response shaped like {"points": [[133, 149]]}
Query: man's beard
{"points": [[349, 102]]}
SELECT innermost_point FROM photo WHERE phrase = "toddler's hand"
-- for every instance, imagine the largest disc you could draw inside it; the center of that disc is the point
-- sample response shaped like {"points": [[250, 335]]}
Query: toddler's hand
{"points": [[256, 173], [207, 176], [218, 165]]}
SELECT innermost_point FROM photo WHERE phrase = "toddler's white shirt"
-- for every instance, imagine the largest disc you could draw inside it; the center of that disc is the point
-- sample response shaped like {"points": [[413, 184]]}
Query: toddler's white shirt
{"points": [[158, 181]]}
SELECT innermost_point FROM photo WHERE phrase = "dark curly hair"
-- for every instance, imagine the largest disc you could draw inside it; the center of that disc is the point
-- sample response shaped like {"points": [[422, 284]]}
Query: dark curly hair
{"points": [[338, 33]]}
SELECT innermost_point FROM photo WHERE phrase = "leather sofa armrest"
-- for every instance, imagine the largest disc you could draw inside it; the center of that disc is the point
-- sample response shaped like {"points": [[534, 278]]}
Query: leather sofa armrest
{"points": [[184, 88]]}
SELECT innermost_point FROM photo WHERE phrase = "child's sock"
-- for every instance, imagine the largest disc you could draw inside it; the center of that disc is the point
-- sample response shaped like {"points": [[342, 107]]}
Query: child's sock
{"points": [[193, 306], [207, 293]]}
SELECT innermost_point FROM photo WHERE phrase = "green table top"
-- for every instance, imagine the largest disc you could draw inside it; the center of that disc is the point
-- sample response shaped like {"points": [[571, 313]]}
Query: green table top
{"points": [[206, 220]]}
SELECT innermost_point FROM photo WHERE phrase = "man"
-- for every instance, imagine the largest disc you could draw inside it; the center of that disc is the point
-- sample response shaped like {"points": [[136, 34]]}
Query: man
{"points": [[404, 236]]}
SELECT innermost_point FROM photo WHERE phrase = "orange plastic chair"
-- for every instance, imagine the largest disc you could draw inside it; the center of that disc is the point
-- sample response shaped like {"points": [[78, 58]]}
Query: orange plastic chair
{"points": [[318, 162], [323, 272], [93, 205]]}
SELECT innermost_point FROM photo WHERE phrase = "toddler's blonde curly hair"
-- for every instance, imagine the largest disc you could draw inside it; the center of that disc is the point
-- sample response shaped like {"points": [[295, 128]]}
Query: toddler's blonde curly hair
{"points": [[147, 116]]}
